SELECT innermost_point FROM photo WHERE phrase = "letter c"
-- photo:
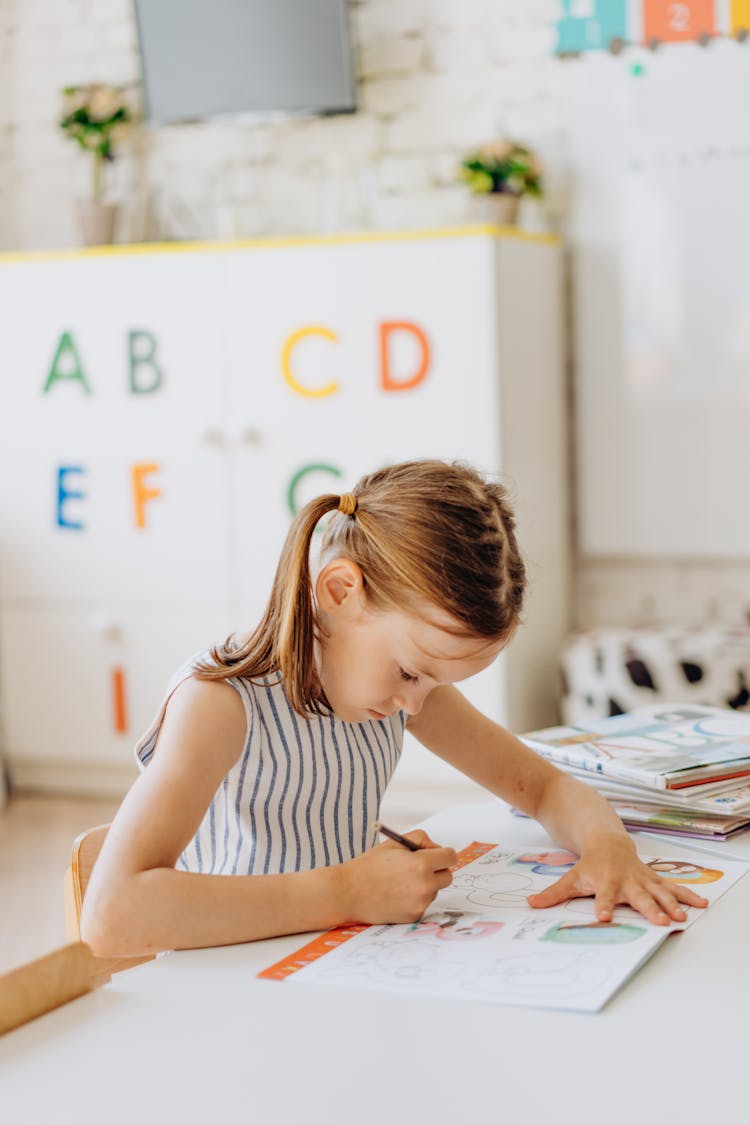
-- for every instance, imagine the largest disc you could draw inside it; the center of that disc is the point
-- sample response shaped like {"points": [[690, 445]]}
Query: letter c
{"points": [[286, 369]]}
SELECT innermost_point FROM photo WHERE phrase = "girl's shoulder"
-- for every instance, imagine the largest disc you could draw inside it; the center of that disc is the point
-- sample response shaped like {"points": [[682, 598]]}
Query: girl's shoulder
{"points": [[190, 698]]}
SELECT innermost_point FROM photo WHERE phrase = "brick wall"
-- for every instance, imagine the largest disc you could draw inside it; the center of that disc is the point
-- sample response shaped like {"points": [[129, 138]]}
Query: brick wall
{"points": [[435, 77]]}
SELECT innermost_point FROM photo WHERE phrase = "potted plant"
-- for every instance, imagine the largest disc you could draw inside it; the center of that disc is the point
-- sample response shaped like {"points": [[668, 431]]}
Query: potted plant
{"points": [[502, 172], [96, 116]]}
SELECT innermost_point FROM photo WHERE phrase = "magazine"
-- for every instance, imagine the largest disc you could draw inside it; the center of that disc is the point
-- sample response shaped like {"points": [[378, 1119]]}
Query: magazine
{"points": [[728, 798], [481, 941], [664, 746]]}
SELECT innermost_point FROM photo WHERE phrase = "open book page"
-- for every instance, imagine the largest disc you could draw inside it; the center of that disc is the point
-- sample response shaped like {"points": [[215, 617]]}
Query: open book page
{"points": [[480, 940], [663, 746]]}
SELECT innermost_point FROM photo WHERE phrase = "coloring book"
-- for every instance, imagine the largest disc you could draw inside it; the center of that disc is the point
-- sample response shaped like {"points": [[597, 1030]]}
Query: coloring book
{"points": [[481, 941], [661, 747]]}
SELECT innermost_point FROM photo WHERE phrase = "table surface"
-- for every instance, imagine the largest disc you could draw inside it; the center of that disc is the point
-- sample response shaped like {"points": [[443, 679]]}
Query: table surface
{"points": [[194, 1037]]}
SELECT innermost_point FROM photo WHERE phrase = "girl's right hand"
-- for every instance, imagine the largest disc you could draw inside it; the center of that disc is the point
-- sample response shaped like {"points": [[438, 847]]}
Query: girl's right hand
{"points": [[391, 884]]}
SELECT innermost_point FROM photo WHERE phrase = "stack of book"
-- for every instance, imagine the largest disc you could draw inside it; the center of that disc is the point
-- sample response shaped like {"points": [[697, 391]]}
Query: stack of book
{"points": [[681, 769]]}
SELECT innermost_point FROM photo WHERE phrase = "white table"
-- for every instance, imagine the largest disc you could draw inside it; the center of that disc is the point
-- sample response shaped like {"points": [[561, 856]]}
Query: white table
{"points": [[195, 1037]]}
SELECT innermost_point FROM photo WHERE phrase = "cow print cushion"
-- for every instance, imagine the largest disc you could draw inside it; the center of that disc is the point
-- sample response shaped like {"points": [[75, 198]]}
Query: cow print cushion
{"points": [[609, 671]]}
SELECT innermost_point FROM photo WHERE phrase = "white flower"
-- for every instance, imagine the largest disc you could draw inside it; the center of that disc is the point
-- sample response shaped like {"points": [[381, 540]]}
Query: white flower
{"points": [[103, 102]]}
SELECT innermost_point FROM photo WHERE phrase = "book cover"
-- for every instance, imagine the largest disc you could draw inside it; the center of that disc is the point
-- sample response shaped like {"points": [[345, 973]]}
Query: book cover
{"points": [[662, 747]]}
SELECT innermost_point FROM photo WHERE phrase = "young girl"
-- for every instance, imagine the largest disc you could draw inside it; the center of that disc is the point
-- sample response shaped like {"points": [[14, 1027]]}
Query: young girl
{"points": [[270, 755]]}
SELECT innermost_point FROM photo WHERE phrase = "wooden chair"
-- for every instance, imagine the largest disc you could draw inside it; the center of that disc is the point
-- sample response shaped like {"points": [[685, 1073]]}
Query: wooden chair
{"points": [[48, 982], [86, 848]]}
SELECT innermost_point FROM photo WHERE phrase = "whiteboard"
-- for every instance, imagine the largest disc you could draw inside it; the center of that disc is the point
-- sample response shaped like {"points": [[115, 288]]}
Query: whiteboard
{"points": [[660, 230]]}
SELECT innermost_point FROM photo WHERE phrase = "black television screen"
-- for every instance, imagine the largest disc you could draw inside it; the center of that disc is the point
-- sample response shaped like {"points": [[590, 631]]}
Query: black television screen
{"points": [[210, 58]]}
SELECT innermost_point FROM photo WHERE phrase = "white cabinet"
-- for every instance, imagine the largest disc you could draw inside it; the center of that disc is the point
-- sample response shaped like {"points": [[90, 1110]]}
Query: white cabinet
{"points": [[193, 396], [80, 682], [110, 381]]}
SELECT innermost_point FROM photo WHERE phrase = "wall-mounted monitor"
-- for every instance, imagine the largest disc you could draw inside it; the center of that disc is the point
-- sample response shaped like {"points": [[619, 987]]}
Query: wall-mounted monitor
{"points": [[202, 59]]}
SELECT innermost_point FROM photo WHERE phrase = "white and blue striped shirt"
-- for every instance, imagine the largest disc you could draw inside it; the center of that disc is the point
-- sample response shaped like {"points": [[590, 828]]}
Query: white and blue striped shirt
{"points": [[304, 793]]}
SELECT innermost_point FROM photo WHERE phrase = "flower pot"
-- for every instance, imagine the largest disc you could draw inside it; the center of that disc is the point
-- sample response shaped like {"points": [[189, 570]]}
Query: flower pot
{"points": [[498, 207], [97, 222]]}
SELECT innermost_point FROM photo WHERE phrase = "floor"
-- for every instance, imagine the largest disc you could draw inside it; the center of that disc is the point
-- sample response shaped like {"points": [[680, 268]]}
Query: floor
{"points": [[36, 834]]}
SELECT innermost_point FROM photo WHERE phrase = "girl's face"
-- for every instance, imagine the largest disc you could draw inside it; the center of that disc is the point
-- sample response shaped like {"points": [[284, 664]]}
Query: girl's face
{"points": [[374, 663]]}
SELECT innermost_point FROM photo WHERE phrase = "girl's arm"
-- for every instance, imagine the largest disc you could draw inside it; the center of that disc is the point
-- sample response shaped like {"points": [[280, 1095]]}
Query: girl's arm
{"points": [[575, 815], [136, 903]]}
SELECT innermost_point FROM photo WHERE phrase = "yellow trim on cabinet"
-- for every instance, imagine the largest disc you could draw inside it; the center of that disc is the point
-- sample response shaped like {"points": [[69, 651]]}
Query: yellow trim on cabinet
{"points": [[277, 242]]}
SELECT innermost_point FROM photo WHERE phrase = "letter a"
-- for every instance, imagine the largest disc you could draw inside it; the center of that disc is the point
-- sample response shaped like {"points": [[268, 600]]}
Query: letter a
{"points": [[66, 364]]}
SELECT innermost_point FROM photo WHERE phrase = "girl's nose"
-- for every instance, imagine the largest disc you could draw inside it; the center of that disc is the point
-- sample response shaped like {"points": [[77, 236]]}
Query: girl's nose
{"points": [[409, 701]]}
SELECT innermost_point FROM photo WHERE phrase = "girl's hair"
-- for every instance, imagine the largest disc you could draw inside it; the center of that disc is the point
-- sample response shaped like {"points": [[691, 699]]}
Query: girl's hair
{"points": [[421, 531]]}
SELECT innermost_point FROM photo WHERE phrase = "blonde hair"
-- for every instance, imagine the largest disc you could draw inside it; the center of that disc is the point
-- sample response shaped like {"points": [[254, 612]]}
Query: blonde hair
{"points": [[419, 531]]}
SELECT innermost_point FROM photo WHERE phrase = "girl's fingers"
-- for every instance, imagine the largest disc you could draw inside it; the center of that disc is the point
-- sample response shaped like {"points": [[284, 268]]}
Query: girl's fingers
{"points": [[668, 901], [660, 902], [443, 878], [559, 891], [685, 894], [441, 859], [645, 903], [604, 903]]}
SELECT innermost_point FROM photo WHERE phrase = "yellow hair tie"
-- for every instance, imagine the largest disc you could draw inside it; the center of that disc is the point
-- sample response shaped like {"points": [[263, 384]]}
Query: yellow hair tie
{"points": [[348, 503]]}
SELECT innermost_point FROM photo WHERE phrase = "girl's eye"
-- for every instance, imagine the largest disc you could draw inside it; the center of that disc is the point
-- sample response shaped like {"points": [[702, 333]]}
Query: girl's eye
{"points": [[405, 676]]}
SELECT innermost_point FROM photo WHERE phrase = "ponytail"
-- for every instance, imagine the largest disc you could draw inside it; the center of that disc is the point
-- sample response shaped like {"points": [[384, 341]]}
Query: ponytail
{"points": [[284, 640]]}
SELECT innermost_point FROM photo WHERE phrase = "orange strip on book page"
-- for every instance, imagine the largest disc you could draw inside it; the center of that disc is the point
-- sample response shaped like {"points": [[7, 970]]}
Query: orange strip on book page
{"points": [[705, 780], [332, 939]]}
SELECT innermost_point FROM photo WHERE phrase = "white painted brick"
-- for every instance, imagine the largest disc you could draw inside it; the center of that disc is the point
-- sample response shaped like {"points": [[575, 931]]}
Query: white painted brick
{"points": [[194, 146], [121, 68], [382, 18], [444, 168], [31, 49], [40, 15], [612, 592], [513, 83], [120, 36], [538, 118], [434, 92], [424, 131], [516, 41], [402, 174], [391, 55], [109, 12], [85, 40], [464, 14], [288, 203], [237, 183], [352, 137], [386, 97], [457, 50], [421, 209]]}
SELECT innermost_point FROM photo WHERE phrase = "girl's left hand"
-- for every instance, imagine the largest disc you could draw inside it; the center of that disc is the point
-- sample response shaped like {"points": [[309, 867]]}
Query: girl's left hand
{"points": [[612, 872]]}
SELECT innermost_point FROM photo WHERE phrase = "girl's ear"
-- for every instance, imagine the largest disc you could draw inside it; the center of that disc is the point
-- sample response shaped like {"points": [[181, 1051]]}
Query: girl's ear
{"points": [[340, 587]]}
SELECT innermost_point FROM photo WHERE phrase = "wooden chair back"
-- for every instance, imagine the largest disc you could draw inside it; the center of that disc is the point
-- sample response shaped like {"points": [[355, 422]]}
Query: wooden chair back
{"points": [[86, 848]]}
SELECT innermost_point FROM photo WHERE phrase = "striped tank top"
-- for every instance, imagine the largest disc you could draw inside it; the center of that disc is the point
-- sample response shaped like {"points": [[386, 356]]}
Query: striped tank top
{"points": [[304, 793]]}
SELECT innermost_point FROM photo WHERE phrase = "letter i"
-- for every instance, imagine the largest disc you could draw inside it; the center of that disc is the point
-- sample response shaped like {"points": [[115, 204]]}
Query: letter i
{"points": [[119, 701]]}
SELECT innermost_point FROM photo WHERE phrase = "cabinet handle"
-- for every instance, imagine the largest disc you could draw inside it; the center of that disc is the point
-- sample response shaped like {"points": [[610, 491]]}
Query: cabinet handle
{"points": [[106, 627], [251, 436], [214, 436]]}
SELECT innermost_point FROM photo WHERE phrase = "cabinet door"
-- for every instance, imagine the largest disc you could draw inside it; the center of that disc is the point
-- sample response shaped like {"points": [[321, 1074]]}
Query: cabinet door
{"points": [[112, 378], [342, 358], [80, 686]]}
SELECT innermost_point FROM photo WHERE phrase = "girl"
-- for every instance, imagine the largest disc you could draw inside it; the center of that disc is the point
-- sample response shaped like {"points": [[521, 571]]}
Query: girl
{"points": [[271, 753]]}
